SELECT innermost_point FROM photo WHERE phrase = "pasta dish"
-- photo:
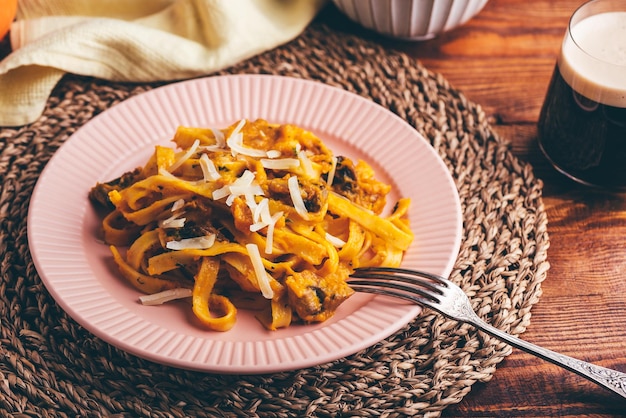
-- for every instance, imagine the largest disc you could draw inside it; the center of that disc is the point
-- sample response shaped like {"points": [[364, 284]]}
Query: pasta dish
{"points": [[253, 216]]}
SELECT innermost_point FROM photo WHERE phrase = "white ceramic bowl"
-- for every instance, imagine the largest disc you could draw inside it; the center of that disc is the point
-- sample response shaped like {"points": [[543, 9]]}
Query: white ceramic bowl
{"points": [[410, 19]]}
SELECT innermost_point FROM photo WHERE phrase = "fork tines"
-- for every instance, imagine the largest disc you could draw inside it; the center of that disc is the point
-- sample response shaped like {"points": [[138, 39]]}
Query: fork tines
{"points": [[416, 286]]}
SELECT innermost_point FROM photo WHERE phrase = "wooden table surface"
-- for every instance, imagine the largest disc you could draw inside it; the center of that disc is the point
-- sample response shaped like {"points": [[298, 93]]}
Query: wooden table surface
{"points": [[502, 59]]}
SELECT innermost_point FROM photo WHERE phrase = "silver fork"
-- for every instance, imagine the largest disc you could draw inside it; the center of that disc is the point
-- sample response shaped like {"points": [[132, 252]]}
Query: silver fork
{"points": [[450, 300]]}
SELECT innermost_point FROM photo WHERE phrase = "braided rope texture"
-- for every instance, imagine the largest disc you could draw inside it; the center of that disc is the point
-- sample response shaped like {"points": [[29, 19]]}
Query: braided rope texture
{"points": [[51, 367]]}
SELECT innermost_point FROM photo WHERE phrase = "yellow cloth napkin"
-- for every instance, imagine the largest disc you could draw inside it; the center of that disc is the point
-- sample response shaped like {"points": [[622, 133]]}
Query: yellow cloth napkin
{"points": [[137, 41]]}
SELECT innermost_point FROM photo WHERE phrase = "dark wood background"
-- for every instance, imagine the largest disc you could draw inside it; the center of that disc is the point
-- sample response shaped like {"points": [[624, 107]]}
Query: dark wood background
{"points": [[503, 59]]}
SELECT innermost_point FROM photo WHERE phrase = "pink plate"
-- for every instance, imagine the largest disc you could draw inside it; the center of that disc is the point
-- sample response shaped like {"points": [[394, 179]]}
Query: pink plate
{"points": [[77, 269]]}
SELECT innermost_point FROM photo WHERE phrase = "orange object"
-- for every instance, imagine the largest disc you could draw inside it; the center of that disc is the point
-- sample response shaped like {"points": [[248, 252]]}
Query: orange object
{"points": [[8, 8]]}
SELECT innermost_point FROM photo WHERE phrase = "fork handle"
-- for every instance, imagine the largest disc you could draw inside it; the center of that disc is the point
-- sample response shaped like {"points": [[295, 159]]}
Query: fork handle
{"points": [[607, 378]]}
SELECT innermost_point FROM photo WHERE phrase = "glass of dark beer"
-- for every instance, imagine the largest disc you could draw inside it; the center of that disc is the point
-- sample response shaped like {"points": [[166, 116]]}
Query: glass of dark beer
{"points": [[582, 125]]}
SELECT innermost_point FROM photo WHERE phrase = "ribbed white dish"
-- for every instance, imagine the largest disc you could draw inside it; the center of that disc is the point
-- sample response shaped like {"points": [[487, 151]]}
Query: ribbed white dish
{"points": [[78, 271], [410, 19]]}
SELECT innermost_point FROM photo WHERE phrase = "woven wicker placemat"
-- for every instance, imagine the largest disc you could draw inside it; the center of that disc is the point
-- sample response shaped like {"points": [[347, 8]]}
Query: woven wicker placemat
{"points": [[50, 366]]}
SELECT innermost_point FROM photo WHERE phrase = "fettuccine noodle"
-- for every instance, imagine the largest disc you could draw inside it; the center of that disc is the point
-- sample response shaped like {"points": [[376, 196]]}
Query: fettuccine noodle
{"points": [[256, 215]]}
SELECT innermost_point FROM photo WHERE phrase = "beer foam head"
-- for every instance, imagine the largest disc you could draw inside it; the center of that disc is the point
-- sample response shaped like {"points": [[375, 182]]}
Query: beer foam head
{"points": [[593, 58]]}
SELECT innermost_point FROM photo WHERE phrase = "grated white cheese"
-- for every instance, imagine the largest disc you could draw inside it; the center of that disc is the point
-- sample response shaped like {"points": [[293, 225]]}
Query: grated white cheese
{"points": [[192, 149], [273, 153], [261, 216], [251, 201], [245, 179], [220, 140], [257, 226], [261, 211], [212, 148], [336, 241], [236, 191], [296, 197], [195, 243], [165, 296], [239, 126], [209, 171], [173, 222], [269, 242], [331, 173], [177, 205], [280, 163], [235, 143], [163, 172], [221, 193], [306, 164], [243, 186], [259, 270]]}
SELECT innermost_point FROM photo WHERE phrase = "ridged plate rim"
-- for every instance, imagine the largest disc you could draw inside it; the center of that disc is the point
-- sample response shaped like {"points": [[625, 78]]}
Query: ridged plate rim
{"points": [[74, 267]]}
